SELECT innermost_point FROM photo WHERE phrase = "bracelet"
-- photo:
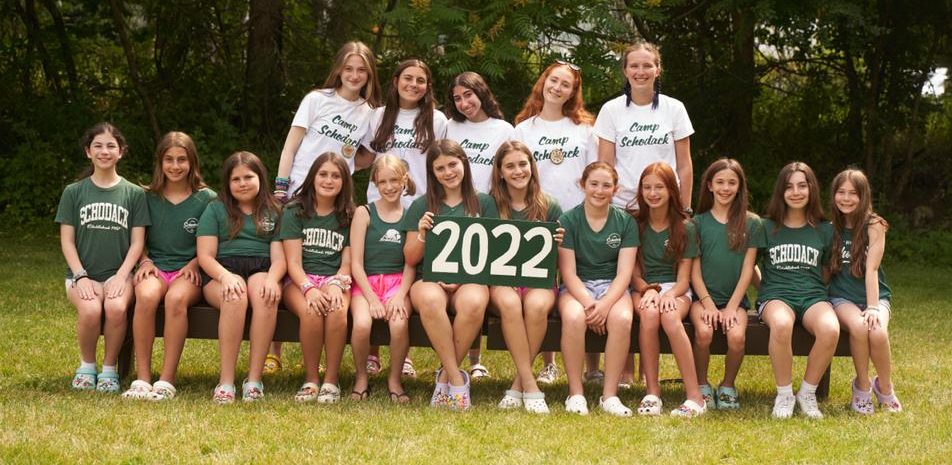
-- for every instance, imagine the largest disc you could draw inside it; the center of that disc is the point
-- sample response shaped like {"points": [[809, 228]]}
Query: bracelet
{"points": [[874, 308], [655, 286], [420, 238], [708, 296], [143, 262], [307, 286], [282, 183], [79, 275]]}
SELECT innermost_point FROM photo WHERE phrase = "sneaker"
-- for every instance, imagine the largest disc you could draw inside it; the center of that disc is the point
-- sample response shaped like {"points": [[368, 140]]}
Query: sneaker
{"points": [[613, 406], [328, 394], [783, 406], [108, 383], [549, 374], [595, 377], [650, 405], [862, 402], [138, 390], [84, 380], [224, 394], [708, 394], [689, 409], [459, 396], [161, 391], [889, 402], [727, 398], [478, 371], [512, 400], [534, 402], [808, 405], [252, 391], [576, 404]]}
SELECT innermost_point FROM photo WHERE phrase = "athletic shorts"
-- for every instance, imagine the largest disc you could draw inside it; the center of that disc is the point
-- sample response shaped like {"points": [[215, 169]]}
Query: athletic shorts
{"points": [[384, 286], [884, 304], [522, 290], [241, 266], [799, 305], [597, 288], [168, 276], [315, 279], [744, 303], [665, 287]]}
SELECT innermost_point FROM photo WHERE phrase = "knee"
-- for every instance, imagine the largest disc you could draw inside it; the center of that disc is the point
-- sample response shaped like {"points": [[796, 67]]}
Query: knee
{"points": [[737, 339], [508, 304], [115, 309], [671, 321], [703, 335], [620, 319], [362, 325], [828, 332], [879, 337], [573, 320], [537, 313], [649, 320]]}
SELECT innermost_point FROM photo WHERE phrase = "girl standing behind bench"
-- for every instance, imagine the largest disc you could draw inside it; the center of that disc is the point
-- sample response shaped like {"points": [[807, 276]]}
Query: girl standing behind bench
{"points": [[102, 221], [242, 261], [168, 271]]}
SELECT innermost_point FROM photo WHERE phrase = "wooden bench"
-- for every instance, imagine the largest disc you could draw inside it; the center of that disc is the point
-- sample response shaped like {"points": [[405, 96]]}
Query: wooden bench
{"points": [[203, 324]]}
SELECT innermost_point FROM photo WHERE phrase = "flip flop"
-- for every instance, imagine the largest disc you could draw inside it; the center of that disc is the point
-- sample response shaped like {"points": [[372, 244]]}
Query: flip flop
{"points": [[400, 398]]}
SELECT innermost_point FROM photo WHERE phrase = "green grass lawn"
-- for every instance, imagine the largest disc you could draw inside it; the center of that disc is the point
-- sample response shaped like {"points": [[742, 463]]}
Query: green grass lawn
{"points": [[43, 421]]}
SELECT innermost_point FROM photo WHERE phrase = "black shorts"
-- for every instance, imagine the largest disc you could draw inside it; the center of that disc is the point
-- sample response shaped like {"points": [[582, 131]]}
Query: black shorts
{"points": [[241, 266]]}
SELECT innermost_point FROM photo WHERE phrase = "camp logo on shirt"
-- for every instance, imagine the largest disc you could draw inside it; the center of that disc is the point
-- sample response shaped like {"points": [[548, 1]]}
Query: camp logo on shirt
{"points": [[342, 137], [793, 256], [556, 154], [323, 238], [103, 211], [614, 240], [392, 235], [190, 225], [647, 139], [267, 225]]}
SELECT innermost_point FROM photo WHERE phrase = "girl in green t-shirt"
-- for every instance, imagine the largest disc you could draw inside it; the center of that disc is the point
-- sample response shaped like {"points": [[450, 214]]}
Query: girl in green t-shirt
{"points": [[168, 270], [449, 192], [596, 259], [518, 194], [858, 290], [243, 264], [794, 264], [382, 277], [728, 238], [102, 221], [315, 233], [662, 293]]}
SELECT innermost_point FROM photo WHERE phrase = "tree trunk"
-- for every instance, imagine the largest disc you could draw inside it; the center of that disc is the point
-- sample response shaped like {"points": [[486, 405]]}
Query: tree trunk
{"points": [[66, 52], [27, 13], [740, 126], [137, 84], [263, 77]]}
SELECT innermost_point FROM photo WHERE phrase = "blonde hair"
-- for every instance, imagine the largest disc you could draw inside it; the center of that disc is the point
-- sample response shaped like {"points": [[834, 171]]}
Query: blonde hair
{"points": [[398, 166]]}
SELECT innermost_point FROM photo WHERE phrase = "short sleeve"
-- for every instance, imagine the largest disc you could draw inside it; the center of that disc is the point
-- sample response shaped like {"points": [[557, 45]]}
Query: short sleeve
{"points": [[140, 215], [568, 239], [690, 233], [681, 122], [487, 206], [755, 233], [630, 236], [305, 111], [209, 223], [826, 232], [411, 219], [555, 210], [66, 211], [604, 123], [290, 227]]}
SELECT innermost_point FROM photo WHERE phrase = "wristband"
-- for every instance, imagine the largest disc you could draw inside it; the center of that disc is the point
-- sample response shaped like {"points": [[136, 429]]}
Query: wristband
{"points": [[79, 275], [874, 308], [143, 262], [708, 296], [655, 286], [307, 286], [420, 238]]}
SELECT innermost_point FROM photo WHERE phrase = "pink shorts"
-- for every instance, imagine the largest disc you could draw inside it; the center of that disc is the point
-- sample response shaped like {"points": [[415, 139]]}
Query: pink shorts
{"points": [[168, 276], [383, 285], [315, 279]]}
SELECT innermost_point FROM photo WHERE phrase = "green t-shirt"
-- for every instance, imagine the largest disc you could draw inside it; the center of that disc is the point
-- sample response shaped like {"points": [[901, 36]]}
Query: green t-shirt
{"points": [[170, 241], [659, 268], [846, 286], [247, 243], [720, 265], [102, 219], [596, 253], [487, 209], [551, 215], [383, 245], [322, 239], [792, 261]]}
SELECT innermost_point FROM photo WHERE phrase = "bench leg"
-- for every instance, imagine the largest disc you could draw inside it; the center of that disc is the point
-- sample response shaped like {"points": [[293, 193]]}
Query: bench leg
{"points": [[823, 388]]}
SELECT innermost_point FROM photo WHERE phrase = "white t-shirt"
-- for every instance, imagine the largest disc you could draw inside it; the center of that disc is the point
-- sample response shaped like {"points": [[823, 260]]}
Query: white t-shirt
{"points": [[642, 136], [574, 146], [333, 124], [480, 141], [404, 146]]}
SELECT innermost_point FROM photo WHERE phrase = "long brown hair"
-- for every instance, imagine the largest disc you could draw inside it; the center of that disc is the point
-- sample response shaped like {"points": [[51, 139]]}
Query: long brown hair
{"points": [[343, 204], [777, 208], [537, 204], [371, 90], [87, 140], [184, 142], [422, 124], [266, 209], [434, 192], [677, 235], [860, 218], [573, 108], [737, 214], [477, 84]]}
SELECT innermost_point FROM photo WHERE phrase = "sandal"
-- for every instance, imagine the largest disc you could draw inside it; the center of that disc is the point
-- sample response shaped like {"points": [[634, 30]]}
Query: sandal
{"points": [[358, 396], [889, 402], [161, 390], [107, 382], [727, 398], [252, 391], [862, 400], [224, 394], [307, 393], [400, 398], [595, 377], [373, 365], [512, 400], [272, 364], [650, 405], [84, 380], [534, 402], [689, 409], [329, 394], [138, 390], [708, 394], [549, 374], [408, 369], [478, 371]]}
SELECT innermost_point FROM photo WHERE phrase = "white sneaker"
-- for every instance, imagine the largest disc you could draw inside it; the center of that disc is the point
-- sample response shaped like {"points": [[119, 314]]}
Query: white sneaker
{"points": [[614, 406], [783, 406], [808, 405], [576, 404], [534, 402], [549, 374], [512, 400]]}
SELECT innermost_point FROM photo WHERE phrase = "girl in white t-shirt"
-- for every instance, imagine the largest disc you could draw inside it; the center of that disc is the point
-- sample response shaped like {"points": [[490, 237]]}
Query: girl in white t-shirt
{"points": [[333, 118], [407, 123], [643, 126]]}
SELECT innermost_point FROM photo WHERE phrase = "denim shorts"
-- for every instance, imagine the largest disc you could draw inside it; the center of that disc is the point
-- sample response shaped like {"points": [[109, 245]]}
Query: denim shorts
{"points": [[884, 304], [597, 288]]}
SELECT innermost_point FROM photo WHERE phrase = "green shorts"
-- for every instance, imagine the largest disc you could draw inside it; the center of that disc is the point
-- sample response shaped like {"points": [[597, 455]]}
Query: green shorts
{"points": [[799, 305]]}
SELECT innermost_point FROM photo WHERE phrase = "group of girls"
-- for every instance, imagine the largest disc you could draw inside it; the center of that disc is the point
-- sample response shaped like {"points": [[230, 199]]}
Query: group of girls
{"points": [[245, 250]]}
